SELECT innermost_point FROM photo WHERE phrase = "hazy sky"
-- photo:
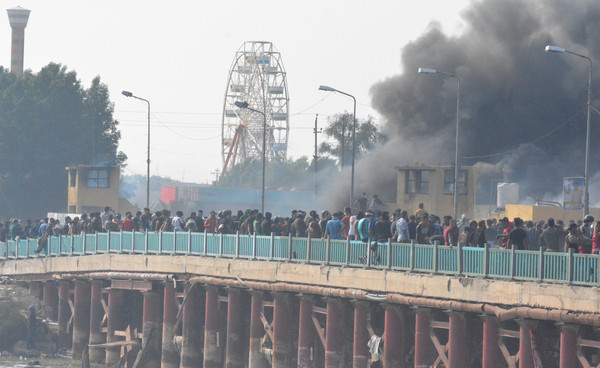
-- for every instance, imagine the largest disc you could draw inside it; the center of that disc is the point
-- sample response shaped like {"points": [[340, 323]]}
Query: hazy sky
{"points": [[177, 54]]}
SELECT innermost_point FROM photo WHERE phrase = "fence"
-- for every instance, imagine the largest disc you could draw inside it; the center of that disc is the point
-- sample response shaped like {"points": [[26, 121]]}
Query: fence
{"points": [[578, 269]]}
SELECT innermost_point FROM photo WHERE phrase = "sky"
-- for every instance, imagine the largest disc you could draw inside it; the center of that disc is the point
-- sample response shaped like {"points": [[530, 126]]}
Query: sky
{"points": [[177, 55]]}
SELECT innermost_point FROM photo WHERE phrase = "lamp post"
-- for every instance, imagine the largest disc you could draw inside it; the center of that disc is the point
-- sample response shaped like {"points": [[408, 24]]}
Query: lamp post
{"points": [[586, 193], [244, 105], [455, 189], [129, 94], [331, 89]]}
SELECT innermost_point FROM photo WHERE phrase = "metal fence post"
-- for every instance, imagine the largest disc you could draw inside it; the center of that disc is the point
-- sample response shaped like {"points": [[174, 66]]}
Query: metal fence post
{"points": [[72, 244], [368, 263], [221, 244], [570, 265], [348, 245], [189, 250], [272, 248], [84, 243], [290, 248], [146, 243], [254, 247], [461, 258], [121, 242], [59, 246], [435, 256], [174, 242], [309, 249], [204, 246], [108, 241], [133, 241], [389, 254], [237, 244], [27, 254], [328, 250], [486, 261], [513, 260], [95, 242], [541, 264], [411, 260], [160, 242]]}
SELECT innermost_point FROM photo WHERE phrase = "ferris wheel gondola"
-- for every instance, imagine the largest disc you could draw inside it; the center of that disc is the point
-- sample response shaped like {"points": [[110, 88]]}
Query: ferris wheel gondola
{"points": [[256, 77]]}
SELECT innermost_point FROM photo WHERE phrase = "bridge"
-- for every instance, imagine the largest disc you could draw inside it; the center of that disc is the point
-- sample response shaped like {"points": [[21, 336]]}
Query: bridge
{"points": [[227, 300]]}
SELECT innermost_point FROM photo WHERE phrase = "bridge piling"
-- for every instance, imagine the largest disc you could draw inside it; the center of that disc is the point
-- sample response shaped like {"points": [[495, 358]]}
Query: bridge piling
{"points": [[64, 313], [193, 320], [282, 332], [213, 355], [457, 340], [81, 317], [151, 328], [114, 323], [169, 354], [491, 350], [234, 348], [394, 336], [96, 316], [257, 331], [306, 332], [525, 351], [361, 335], [334, 342], [50, 300], [36, 289], [423, 344], [568, 346]]}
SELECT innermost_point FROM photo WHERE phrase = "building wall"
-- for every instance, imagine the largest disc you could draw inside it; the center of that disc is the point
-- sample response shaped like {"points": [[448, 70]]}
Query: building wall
{"points": [[81, 198], [436, 202]]}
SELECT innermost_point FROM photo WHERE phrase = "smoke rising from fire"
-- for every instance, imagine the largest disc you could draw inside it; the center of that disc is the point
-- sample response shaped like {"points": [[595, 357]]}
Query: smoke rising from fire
{"points": [[523, 111]]}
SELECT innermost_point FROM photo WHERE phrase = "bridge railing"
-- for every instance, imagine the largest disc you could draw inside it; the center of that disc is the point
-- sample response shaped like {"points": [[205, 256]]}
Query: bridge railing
{"points": [[579, 269]]}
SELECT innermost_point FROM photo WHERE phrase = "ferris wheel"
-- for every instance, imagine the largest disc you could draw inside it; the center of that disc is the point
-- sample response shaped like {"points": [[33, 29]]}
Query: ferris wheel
{"points": [[256, 77]]}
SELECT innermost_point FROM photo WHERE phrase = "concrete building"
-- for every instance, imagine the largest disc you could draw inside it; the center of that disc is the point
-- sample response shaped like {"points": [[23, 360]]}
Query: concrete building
{"points": [[18, 18], [92, 188], [433, 186]]}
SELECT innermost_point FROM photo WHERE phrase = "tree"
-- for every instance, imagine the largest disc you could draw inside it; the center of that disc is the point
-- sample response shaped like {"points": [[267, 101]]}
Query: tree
{"points": [[340, 131], [47, 122]]}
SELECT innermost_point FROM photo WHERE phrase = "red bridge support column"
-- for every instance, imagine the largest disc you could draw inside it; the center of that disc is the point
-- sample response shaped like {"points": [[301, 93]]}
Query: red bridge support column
{"points": [[212, 330], [491, 350], [36, 290], [393, 337], [193, 319], [423, 344], [568, 346], [169, 354], [306, 332], [151, 329], [81, 317], [525, 352], [282, 333], [458, 342], [235, 347], [361, 336], [334, 341], [50, 300], [64, 313], [114, 322], [257, 331], [96, 316]]}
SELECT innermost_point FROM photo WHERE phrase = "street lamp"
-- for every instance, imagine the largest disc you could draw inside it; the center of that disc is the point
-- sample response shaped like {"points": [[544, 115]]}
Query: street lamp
{"points": [[129, 94], [331, 89], [586, 195], [455, 189], [244, 105]]}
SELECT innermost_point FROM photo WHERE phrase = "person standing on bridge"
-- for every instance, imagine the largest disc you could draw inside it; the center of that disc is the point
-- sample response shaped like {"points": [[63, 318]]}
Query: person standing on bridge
{"points": [[517, 238]]}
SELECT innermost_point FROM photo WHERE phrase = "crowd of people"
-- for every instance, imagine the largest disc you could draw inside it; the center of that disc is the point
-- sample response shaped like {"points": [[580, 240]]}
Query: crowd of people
{"points": [[367, 223]]}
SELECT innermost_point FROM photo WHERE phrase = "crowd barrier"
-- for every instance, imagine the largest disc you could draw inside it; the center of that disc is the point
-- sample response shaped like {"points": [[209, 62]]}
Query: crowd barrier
{"points": [[569, 268]]}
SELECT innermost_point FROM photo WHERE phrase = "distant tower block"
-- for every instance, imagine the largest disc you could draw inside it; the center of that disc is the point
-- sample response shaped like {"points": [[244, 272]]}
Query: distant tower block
{"points": [[18, 18]]}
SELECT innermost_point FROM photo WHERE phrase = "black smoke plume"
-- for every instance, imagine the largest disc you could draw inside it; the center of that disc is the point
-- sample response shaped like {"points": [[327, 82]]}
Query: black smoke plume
{"points": [[523, 111]]}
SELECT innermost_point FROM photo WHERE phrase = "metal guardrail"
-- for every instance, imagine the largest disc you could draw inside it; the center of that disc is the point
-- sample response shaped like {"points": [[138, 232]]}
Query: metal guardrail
{"points": [[568, 268]]}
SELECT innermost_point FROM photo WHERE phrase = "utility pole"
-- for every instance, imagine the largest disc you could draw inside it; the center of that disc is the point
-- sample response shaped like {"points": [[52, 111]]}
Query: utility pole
{"points": [[316, 157]]}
